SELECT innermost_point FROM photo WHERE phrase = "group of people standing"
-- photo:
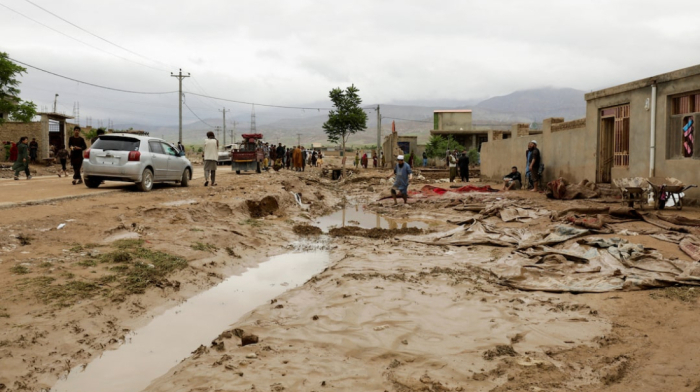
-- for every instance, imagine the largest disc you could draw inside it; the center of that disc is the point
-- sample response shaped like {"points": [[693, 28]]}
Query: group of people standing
{"points": [[12, 150], [458, 164], [296, 158], [25, 152], [364, 160]]}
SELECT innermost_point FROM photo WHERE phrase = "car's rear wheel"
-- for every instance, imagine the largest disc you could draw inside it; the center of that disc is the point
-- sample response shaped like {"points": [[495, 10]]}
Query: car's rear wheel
{"points": [[184, 181], [146, 183], [92, 182]]}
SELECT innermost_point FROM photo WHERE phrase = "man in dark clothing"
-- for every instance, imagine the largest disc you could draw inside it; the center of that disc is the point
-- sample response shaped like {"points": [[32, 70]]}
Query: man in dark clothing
{"points": [[280, 151], [535, 162], [463, 165], [77, 145], [513, 180], [33, 148], [100, 132]]}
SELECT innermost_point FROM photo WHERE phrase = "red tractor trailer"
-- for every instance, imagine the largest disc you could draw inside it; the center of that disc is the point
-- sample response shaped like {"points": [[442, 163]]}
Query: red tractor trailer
{"points": [[248, 156]]}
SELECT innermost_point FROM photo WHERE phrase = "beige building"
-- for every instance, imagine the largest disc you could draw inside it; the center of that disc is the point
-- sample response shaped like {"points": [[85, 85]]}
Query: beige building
{"points": [[458, 124], [51, 129], [644, 128]]}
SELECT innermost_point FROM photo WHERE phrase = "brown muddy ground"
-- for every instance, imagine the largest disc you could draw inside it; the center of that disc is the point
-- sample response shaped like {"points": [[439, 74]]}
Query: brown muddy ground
{"points": [[385, 315], [68, 294]]}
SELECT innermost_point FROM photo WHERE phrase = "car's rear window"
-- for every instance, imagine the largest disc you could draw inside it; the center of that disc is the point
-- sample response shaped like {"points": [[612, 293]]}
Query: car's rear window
{"points": [[117, 143]]}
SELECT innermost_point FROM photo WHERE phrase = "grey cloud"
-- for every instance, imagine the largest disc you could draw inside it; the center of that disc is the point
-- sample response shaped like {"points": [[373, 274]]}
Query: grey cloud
{"points": [[292, 52]]}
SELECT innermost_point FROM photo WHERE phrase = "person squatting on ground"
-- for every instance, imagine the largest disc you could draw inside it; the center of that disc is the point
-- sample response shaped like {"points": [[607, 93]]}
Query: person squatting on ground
{"points": [[22, 162], [403, 174], [211, 158], [62, 155], [513, 180], [76, 144]]}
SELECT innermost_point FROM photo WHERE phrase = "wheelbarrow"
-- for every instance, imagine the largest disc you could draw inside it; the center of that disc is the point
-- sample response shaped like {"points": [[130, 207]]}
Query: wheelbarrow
{"points": [[663, 193], [633, 194]]}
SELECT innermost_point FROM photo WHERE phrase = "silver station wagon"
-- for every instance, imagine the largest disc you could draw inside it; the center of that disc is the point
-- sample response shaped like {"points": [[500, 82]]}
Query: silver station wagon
{"points": [[133, 158]]}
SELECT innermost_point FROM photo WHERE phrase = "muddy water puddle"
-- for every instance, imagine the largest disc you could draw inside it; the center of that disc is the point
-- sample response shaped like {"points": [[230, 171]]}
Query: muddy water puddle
{"points": [[357, 215], [152, 350]]}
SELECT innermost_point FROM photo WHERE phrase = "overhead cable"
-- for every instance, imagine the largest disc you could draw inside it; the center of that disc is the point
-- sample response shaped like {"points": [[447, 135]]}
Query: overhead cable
{"points": [[195, 114], [92, 84], [405, 119], [78, 40], [257, 104]]}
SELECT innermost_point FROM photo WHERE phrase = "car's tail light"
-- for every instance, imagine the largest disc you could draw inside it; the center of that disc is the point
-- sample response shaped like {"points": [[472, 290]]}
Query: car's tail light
{"points": [[134, 156], [86, 154]]}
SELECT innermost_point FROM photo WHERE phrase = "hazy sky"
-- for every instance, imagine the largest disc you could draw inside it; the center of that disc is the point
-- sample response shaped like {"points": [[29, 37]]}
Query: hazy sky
{"points": [[292, 52]]}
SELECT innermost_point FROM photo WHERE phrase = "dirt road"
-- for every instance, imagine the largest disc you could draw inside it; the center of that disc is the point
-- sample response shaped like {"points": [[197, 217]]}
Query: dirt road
{"points": [[45, 188], [385, 314]]}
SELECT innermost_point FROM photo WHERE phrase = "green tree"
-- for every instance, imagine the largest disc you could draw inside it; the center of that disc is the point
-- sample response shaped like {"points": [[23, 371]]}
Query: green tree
{"points": [[437, 146], [10, 104], [346, 119], [92, 133], [474, 156]]}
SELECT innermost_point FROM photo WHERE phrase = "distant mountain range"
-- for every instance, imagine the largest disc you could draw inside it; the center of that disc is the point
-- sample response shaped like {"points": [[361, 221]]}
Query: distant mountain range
{"points": [[413, 118]]}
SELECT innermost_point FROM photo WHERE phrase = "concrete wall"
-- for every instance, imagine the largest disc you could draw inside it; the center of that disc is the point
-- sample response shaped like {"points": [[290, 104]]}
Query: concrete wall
{"points": [[454, 121], [498, 156], [636, 94], [566, 153]]}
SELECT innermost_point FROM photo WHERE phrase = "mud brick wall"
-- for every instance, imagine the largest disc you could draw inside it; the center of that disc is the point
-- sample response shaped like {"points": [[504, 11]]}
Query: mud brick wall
{"points": [[12, 131], [565, 126], [567, 153]]}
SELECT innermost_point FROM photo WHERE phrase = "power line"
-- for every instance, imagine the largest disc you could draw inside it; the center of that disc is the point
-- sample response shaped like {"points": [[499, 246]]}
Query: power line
{"points": [[77, 40], [405, 119], [257, 104], [93, 34], [92, 84], [200, 88], [164, 92], [195, 114]]}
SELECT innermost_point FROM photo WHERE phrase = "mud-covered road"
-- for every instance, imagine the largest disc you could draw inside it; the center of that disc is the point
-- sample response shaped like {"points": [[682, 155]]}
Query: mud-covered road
{"points": [[385, 313]]}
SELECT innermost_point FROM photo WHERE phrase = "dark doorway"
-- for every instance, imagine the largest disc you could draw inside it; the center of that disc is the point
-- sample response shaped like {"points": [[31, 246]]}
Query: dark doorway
{"points": [[607, 148], [56, 133]]}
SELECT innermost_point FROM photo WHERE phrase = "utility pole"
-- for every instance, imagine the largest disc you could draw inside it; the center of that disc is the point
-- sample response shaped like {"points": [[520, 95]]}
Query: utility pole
{"points": [[55, 99], [299, 139], [218, 130], [233, 133], [224, 111], [379, 133], [253, 128], [179, 77]]}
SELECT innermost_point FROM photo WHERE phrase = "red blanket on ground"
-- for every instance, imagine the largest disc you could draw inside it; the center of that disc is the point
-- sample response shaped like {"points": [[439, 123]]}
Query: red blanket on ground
{"points": [[429, 190]]}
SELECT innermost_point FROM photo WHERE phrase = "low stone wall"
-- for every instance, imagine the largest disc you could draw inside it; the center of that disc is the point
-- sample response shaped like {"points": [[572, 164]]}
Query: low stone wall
{"points": [[566, 148], [565, 126]]}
